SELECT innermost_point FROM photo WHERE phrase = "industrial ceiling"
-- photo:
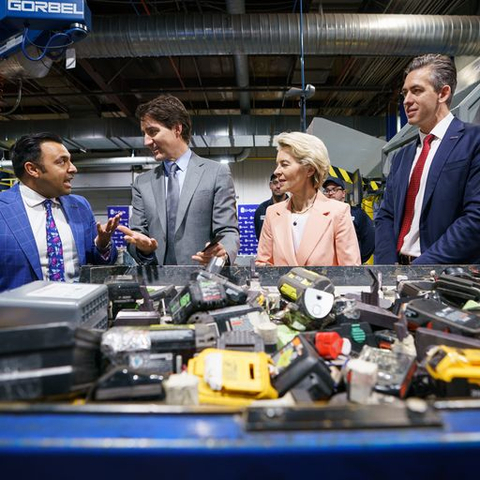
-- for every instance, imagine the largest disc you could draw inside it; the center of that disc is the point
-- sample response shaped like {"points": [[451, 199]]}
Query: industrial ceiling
{"points": [[232, 62]]}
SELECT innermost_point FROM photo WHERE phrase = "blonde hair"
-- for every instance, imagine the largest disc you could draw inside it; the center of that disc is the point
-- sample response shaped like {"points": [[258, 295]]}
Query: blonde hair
{"points": [[308, 150]]}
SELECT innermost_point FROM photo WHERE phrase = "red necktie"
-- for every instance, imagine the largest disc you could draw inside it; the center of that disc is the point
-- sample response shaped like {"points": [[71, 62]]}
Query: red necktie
{"points": [[412, 191]]}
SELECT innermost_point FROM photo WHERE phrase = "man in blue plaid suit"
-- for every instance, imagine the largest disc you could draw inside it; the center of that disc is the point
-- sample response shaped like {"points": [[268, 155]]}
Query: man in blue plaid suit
{"points": [[42, 164]]}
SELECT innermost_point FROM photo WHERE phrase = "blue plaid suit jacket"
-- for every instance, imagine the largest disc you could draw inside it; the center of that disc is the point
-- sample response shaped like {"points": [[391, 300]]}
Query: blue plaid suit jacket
{"points": [[19, 258]]}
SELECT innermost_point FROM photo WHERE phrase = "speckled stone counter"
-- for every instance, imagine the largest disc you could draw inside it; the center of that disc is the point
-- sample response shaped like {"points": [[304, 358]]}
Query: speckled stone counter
{"points": [[340, 276]]}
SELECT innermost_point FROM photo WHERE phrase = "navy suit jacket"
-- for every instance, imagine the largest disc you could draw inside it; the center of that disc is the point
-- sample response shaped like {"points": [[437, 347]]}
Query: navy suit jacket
{"points": [[450, 217], [19, 258]]}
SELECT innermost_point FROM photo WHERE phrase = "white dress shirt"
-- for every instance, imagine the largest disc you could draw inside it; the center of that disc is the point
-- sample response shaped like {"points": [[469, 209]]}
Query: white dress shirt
{"points": [[36, 213], [411, 243]]}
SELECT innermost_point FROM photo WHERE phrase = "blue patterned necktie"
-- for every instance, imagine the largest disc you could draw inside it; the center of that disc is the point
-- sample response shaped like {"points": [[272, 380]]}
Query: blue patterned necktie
{"points": [[56, 267]]}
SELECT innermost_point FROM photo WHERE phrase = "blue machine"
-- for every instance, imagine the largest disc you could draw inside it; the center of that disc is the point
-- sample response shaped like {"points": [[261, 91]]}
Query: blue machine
{"points": [[50, 26]]}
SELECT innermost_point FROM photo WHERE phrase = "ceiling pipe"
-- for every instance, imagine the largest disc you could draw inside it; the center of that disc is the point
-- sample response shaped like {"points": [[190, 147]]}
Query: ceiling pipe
{"points": [[146, 160], [19, 66], [242, 70], [272, 34]]}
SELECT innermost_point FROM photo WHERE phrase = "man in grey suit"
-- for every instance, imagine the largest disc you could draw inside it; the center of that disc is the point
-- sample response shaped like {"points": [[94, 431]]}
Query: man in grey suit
{"points": [[186, 202]]}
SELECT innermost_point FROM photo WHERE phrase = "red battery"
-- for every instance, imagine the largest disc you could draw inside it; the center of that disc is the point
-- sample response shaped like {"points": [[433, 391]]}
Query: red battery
{"points": [[330, 345]]}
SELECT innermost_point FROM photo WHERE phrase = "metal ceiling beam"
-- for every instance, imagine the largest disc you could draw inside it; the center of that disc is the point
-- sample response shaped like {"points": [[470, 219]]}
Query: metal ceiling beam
{"points": [[128, 110], [145, 89], [76, 83], [103, 133]]}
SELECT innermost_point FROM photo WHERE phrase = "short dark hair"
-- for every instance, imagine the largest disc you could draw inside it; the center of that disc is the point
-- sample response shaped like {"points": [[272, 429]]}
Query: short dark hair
{"points": [[272, 177], [169, 111], [443, 71], [28, 148]]}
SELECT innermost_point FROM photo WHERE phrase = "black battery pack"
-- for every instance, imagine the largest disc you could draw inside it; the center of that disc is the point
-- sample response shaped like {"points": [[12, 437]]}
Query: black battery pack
{"points": [[427, 312], [123, 292], [197, 296], [458, 290], [131, 317], [124, 384], [243, 341], [236, 295], [374, 315], [161, 348], [299, 365], [425, 338], [45, 360], [236, 318]]}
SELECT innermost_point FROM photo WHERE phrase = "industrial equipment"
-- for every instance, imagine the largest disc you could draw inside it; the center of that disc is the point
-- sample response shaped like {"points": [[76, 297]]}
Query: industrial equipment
{"points": [[49, 26]]}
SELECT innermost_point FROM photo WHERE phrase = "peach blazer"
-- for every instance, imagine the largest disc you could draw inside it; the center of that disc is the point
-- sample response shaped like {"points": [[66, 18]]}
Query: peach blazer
{"points": [[329, 237]]}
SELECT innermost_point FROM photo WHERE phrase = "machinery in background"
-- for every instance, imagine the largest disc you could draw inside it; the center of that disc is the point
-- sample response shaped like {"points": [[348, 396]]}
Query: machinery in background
{"points": [[49, 26], [34, 34]]}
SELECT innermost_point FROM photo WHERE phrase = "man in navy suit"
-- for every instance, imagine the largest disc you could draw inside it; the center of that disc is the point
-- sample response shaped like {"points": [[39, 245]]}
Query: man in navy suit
{"points": [[430, 213], [42, 164]]}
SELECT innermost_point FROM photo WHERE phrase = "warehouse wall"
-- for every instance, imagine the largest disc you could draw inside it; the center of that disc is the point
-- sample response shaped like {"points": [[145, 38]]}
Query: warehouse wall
{"points": [[251, 179]]}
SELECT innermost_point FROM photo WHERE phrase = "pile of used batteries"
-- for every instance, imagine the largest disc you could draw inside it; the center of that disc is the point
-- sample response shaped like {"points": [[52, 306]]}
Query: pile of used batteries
{"points": [[215, 342]]}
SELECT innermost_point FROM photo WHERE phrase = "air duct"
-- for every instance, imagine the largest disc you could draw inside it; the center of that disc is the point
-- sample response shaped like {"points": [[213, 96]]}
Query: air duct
{"points": [[19, 66], [278, 34], [242, 71]]}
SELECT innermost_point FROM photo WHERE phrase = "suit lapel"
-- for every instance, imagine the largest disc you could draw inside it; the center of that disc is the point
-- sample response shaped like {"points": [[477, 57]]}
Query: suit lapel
{"points": [[317, 224], [283, 230], [75, 221], [452, 136], [16, 219], [192, 180], [159, 194]]}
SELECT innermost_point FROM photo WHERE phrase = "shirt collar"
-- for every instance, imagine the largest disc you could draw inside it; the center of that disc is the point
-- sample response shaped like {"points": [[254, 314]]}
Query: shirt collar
{"points": [[440, 129], [33, 198], [181, 161]]}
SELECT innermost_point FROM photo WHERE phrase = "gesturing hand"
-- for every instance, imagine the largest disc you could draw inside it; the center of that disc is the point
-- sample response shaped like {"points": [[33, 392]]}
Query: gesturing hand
{"points": [[104, 232], [145, 244]]}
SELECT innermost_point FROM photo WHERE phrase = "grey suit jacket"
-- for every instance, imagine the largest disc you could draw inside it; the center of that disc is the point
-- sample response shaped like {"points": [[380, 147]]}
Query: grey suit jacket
{"points": [[207, 207]]}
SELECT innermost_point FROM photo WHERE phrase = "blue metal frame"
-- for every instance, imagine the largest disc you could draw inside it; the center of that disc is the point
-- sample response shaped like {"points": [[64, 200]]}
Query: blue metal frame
{"points": [[128, 446]]}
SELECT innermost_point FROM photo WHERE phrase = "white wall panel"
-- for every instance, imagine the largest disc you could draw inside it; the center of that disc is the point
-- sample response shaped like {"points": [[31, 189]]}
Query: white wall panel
{"points": [[251, 179], [102, 189]]}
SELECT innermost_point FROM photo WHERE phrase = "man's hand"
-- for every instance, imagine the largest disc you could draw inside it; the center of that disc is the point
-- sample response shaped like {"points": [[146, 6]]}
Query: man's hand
{"points": [[144, 244], [203, 257], [104, 232]]}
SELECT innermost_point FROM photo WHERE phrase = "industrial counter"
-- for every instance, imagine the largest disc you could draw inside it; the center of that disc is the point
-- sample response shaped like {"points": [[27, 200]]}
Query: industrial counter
{"points": [[148, 441], [126, 441]]}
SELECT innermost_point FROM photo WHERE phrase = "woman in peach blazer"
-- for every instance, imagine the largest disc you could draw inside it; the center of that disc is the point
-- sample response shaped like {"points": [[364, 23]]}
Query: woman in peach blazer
{"points": [[308, 229]]}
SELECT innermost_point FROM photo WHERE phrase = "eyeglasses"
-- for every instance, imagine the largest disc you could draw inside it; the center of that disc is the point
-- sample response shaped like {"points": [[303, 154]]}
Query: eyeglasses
{"points": [[331, 191]]}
